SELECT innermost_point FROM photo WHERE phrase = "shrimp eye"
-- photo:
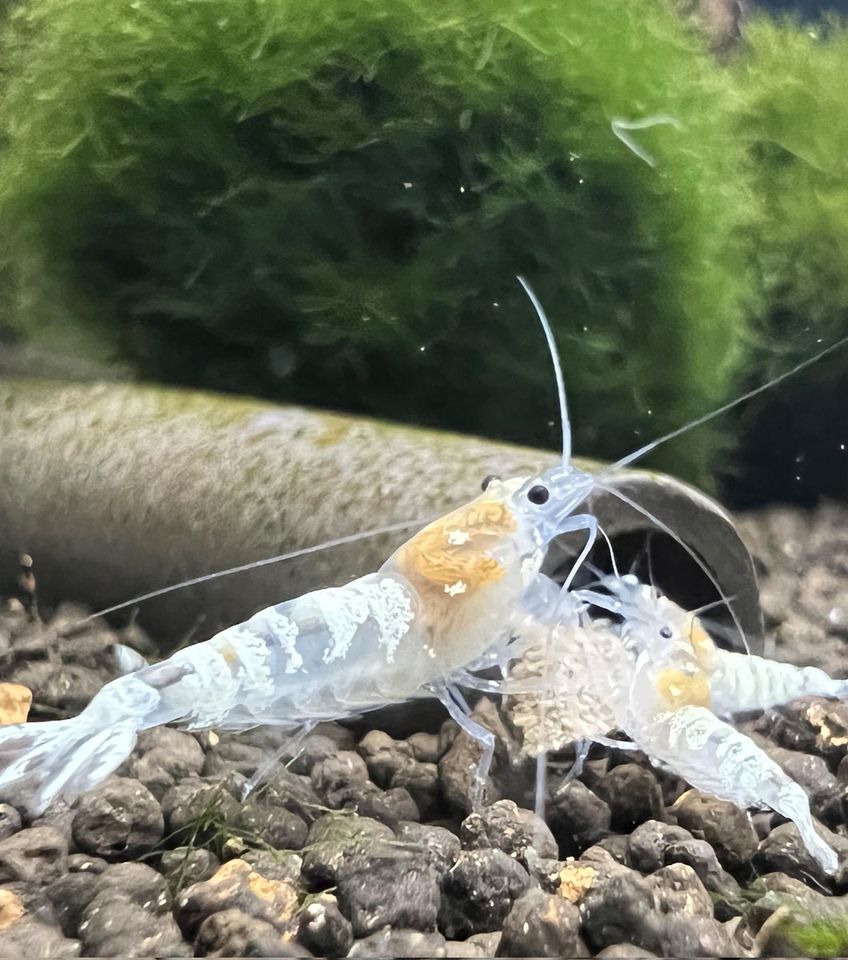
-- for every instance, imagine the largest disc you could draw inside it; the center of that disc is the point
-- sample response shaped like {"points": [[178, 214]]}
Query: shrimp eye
{"points": [[490, 479], [538, 494], [665, 633]]}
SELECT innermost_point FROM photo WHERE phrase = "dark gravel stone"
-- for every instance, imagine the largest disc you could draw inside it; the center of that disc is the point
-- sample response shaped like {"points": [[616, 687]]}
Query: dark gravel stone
{"points": [[10, 821], [619, 910], [35, 941], [390, 886], [632, 794], [615, 845], [183, 866], [680, 891], [38, 855], [276, 826], [333, 840], [337, 777], [384, 756], [812, 725], [231, 755], [510, 828], [163, 757], [700, 856], [578, 818], [294, 793], [421, 780], [135, 883], [85, 863], [388, 806], [542, 925], [232, 933], [118, 821], [315, 748], [426, 747], [65, 687], [275, 865], [237, 886], [827, 795], [783, 851], [400, 944], [726, 828], [647, 845], [70, 896], [439, 846], [323, 929], [478, 892], [121, 928], [668, 913], [190, 801], [544, 871]]}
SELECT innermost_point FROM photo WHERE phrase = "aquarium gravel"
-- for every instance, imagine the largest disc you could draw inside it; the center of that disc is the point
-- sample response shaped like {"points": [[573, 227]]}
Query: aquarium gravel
{"points": [[364, 844]]}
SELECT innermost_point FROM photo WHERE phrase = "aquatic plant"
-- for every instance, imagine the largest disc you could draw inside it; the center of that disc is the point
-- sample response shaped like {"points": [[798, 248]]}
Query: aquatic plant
{"points": [[792, 124], [328, 202]]}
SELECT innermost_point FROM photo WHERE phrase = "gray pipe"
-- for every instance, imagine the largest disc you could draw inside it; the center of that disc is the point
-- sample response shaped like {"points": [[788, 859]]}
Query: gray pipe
{"points": [[118, 489]]}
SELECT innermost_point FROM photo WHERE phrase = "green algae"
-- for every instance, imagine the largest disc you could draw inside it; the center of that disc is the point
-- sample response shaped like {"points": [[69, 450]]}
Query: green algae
{"points": [[327, 202]]}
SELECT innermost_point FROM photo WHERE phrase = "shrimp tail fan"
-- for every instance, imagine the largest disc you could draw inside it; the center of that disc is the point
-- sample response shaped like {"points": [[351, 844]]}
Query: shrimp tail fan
{"points": [[40, 761]]}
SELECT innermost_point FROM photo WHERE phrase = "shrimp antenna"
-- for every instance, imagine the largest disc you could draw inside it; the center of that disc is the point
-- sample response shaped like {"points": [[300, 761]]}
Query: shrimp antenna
{"points": [[291, 555], [560, 381], [724, 599], [648, 447]]}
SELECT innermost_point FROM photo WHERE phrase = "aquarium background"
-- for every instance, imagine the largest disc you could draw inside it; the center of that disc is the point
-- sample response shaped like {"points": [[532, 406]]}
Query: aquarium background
{"points": [[328, 203]]}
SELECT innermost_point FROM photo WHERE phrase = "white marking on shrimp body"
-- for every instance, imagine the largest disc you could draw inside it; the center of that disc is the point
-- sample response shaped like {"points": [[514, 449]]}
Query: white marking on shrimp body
{"points": [[455, 588], [210, 688], [457, 537], [254, 662], [285, 632], [393, 613], [344, 612]]}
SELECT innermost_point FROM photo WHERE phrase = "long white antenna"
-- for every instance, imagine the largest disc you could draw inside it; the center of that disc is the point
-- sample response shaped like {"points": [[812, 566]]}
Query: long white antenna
{"points": [[560, 382], [637, 454], [291, 555]]}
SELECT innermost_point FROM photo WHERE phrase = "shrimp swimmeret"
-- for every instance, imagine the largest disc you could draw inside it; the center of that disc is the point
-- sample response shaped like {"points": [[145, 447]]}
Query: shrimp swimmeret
{"points": [[464, 592]]}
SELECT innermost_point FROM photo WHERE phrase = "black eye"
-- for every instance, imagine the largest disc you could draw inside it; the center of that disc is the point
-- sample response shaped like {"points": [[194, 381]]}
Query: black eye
{"points": [[666, 633], [538, 494], [490, 479]]}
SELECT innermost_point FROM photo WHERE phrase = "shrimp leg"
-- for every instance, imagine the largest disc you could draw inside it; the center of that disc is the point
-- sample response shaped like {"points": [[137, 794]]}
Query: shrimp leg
{"points": [[717, 759], [288, 748], [458, 708]]}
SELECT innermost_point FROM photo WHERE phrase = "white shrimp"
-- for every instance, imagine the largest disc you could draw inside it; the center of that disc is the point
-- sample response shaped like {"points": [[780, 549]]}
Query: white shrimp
{"points": [[465, 591], [680, 685]]}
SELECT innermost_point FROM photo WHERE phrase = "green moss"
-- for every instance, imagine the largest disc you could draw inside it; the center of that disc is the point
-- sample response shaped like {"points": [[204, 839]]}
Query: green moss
{"points": [[793, 125], [293, 200]]}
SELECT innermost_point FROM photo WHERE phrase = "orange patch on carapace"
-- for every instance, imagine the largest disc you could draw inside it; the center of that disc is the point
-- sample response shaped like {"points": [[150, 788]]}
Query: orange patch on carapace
{"points": [[680, 689], [451, 555], [229, 654]]}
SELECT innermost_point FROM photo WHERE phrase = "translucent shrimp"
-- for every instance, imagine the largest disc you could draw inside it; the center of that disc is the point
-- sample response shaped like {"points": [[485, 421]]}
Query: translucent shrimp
{"points": [[680, 685], [443, 600], [465, 591]]}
